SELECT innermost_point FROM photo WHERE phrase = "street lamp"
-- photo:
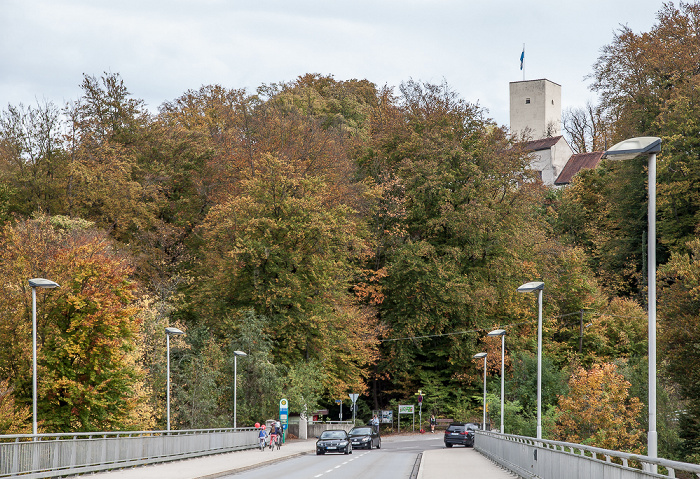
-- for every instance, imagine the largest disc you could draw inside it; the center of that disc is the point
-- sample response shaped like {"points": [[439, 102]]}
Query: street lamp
{"points": [[627, 150], [235, 381], [45, 284], [170, 332], [479, 356], [502, 334], [528, 288]]}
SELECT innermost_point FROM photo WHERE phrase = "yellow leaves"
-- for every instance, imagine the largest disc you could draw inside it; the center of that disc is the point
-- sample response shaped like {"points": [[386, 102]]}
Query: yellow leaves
{"points": [[599, 411]]}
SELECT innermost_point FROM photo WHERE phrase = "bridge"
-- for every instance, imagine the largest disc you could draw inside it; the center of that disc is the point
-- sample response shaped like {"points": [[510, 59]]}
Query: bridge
{"points": [[63, 455]]}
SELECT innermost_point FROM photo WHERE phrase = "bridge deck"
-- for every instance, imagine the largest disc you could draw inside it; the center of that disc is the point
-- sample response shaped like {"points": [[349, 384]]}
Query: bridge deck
{"points": [[442, 463]]}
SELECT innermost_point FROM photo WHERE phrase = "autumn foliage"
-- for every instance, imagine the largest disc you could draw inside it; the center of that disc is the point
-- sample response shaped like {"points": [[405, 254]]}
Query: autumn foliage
{"points": [[350, 238], [599, 411]]}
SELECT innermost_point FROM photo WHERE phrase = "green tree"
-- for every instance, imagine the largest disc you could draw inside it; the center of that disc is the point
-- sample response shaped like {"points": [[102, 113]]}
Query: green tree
{"points": [[456, 197], [679, 335]]}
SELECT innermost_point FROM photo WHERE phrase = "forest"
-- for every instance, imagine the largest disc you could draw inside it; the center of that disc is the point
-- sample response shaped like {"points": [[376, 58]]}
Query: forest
{"points": [[353, 238]]}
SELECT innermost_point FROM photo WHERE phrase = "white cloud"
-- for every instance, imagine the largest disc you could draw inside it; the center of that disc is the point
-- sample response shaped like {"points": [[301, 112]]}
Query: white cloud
{"points": [[162, 48]]}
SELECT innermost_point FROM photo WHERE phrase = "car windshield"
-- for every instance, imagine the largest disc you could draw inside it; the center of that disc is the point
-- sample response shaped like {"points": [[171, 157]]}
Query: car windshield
{"points": [[455, 428], [361, 431], [333, 435]]}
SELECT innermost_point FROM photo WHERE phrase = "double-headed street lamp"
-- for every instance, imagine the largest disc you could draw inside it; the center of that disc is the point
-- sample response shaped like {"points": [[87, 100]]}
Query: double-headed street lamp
{"points": [[627, 150], [45, 284], [528, 288], [479, 356], [168, 333], [502, 334], [235, 381]]}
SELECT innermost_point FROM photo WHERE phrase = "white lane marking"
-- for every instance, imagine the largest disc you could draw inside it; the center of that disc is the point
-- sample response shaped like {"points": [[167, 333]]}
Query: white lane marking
{"points": [[344, 463]]}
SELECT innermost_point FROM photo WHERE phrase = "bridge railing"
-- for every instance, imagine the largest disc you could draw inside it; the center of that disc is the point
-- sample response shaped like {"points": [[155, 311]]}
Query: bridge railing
{"points": [[538, 458], [57, 455]]}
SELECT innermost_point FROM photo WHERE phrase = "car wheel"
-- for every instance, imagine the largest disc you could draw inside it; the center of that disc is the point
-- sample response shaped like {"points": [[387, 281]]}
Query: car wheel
{"points": [[319, 453], [379, 444], [448, 445], [347, 450]]}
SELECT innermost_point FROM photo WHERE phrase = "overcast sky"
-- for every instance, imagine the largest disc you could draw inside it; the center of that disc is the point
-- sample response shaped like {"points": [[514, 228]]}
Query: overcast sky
{"points": [[162, 48]]}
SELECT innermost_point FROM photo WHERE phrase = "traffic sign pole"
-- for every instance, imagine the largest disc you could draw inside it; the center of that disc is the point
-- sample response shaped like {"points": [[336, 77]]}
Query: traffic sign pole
{"points": [[353, 398], [284, 417]]}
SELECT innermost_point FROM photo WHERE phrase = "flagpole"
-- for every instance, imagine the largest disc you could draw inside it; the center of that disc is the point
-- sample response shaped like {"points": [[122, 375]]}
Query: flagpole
{"points": [[523, 64]]}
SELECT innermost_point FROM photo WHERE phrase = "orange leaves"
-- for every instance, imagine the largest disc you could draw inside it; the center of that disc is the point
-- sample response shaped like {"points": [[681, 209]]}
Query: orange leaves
{"points": [[599, 411], [86, 327]]}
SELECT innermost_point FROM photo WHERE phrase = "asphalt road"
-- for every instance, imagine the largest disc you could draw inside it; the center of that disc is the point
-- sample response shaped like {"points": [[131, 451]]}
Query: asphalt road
{"points": [[396, 459]]}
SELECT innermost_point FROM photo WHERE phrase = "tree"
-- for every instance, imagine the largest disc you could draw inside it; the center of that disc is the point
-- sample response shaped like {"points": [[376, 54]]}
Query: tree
{"points": [[587, 129], [598, 410], [456, 195], [14, 418], [89, 379], [32, 160], [679, 336]]}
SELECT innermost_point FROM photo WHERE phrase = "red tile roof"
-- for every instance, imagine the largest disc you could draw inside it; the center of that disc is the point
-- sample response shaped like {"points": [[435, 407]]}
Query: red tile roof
{"points": [[576, 163], [543, 144]]}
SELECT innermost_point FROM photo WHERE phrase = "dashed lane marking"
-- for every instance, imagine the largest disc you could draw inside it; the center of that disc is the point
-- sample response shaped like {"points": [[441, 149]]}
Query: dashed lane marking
{"points": [[339, 465]]}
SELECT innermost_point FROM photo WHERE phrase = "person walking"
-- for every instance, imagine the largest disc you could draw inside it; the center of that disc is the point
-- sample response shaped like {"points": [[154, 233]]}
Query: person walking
{"points": [[433, 422], [375, 423]]}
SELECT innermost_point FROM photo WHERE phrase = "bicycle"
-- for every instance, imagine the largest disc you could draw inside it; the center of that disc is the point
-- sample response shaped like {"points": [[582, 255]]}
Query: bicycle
{"points": [[273, 440], [261, 440]]}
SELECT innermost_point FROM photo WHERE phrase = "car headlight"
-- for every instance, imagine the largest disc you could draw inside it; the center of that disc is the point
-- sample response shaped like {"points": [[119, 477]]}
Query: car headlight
{"points": [[343, 443], [366, 439]]}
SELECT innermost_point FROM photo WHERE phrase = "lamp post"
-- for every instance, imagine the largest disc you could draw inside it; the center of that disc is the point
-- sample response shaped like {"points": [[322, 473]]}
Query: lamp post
{"points": [[170, 332], [479, 356], [627, 150], [45, 284], [235, 381], [528, 288], [502, 334]]}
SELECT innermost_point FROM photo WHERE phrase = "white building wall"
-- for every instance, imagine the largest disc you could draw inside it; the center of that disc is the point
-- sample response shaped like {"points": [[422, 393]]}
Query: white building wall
{"points": [[551, 161], [535, 104]]}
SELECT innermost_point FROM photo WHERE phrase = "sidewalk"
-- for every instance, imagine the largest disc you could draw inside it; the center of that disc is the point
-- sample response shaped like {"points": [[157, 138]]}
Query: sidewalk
{"points": [[441, 463], [218, 465]]}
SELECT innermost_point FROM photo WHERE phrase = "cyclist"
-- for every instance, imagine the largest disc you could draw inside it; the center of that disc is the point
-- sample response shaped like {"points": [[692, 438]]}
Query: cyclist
{"points": [[280, 432], [261, 438], [273, 437]]}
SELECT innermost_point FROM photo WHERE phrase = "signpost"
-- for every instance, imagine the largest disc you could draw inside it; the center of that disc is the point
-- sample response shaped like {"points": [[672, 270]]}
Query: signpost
{"points": [[353, 398], [284, 417], [420, 410], [340, 416]]}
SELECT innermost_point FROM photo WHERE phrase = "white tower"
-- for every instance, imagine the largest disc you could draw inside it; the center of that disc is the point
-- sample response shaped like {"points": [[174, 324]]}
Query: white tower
{"points": [[535, 104]]}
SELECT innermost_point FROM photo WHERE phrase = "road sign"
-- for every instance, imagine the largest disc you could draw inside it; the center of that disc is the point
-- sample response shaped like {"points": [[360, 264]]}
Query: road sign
{"points": [[353, 397]]}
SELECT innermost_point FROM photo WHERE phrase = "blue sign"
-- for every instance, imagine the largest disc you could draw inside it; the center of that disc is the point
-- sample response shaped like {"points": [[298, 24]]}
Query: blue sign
{"points": [[284, 413]]}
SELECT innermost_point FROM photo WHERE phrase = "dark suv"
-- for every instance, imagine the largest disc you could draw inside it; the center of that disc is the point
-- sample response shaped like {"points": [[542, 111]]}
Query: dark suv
{"points": [[460, 433]]}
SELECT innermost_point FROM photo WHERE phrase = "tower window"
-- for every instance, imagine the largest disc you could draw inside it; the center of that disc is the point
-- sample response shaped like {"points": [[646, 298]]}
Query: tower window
{"points": [[527, 101]]}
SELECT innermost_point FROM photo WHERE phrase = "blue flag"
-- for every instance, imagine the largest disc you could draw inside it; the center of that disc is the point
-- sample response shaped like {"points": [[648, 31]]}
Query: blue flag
{"points": [[522, 57]]}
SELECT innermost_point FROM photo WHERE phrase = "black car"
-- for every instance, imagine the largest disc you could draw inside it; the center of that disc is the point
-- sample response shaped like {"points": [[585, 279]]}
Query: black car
{"points": [[333, 441], [365, 437], [460, 433]]}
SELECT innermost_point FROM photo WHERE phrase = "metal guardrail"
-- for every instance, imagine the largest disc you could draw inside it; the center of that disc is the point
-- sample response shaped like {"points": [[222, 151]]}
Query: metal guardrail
{"points": [[544, 459], [57, 455]]}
